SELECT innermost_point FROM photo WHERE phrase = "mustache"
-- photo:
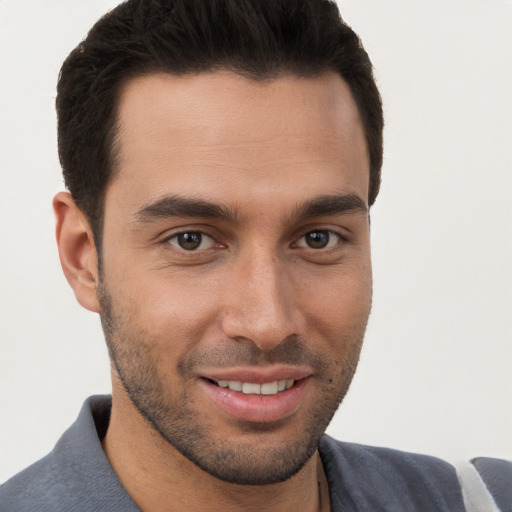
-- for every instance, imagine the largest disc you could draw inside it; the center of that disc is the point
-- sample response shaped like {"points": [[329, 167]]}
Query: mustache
{"points": [[291, 351]]}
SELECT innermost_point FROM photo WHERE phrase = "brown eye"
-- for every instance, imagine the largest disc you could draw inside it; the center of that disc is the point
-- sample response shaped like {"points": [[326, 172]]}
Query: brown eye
{"points": [[319, 239], [192, 241]]}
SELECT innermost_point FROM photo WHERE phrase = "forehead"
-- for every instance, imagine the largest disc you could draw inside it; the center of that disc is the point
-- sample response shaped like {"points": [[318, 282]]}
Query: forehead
{"points": [[200, 133]]}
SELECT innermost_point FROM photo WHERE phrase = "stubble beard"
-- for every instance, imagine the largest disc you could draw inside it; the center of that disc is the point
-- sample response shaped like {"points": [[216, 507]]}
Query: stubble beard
{"points": [[135, 359]]}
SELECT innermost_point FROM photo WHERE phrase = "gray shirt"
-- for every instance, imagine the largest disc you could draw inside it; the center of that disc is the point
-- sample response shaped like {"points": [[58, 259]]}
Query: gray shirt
{"points": [[77, 476]]}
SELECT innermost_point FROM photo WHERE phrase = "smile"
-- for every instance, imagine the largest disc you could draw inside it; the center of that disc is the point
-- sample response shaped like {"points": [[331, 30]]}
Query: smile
{"points": [[256, 396], [252, 388]]}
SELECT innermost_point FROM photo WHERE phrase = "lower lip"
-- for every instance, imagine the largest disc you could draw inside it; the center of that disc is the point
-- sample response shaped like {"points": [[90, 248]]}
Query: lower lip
{"points": [[257, 408]]}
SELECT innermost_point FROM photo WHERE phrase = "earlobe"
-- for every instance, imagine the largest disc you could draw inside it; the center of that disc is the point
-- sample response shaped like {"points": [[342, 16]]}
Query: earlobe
{"points": [[77, 250]]}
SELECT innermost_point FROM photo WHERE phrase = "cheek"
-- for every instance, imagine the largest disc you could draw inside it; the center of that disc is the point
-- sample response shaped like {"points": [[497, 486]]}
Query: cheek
{"points": [[338, 307], [173, 308]]}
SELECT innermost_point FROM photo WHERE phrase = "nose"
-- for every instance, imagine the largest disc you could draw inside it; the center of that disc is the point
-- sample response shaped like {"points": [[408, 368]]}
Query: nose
{"points": [[260, 303]]}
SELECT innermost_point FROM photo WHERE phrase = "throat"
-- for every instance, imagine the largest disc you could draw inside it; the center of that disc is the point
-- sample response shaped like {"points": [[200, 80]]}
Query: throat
{"points": [[324, 501]]}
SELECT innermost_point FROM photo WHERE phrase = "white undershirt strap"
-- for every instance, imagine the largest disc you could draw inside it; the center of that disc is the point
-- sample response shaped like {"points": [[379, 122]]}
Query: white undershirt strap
{"points": [[476, 496]]}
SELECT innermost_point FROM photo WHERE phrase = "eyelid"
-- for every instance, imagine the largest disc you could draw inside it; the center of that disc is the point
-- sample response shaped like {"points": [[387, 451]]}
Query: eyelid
{"points": [[332, 232], [203, 235], [169, 233]]}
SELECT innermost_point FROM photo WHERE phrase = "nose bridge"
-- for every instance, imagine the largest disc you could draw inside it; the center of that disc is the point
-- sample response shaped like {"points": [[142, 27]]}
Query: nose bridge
{"points": [[262, 307]]}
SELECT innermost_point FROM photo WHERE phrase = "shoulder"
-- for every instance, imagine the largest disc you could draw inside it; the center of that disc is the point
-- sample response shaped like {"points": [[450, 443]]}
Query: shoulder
{"points": [[76, 475], [486, 484], [372, 478], [32, 486]]}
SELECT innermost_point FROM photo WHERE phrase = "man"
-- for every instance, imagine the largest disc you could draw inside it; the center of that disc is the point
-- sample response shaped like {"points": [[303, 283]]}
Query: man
{"points": [[221, 159]]}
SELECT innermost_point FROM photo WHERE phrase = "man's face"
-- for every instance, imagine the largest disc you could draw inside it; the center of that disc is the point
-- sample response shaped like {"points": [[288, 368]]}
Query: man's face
{"points": [[236, 275]]}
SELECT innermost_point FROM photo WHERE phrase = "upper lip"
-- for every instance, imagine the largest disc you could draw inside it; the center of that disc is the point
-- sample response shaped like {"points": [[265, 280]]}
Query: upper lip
{"points": [[256, 374]]}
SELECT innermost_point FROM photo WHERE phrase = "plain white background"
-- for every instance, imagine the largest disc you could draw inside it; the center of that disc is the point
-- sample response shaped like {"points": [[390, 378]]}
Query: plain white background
{"points": [[436, 370]]}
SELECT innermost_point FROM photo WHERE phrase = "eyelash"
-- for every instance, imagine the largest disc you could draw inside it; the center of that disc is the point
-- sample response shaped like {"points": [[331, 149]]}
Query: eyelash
{"points": [[331, 233], [175, 236]]}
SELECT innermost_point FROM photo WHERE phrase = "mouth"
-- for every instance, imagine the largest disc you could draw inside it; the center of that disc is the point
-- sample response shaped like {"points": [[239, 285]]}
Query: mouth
{"points": [[257, 396], [253, 388]]}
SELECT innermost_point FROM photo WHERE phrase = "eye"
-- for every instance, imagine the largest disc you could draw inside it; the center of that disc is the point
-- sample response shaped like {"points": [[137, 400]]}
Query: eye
{"points": [[192, 241], [318, 239]]}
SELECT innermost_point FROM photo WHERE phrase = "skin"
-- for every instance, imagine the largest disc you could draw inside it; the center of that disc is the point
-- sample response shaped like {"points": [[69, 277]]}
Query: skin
{"points": [[260, 293]]}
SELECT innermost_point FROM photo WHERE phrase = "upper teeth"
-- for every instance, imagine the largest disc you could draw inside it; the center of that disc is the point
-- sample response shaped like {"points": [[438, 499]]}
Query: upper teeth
{"points": [[250, 388]]}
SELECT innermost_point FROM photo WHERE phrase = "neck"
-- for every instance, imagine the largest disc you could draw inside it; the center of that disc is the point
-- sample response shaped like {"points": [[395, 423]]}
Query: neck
{"points": [[158, 477]]}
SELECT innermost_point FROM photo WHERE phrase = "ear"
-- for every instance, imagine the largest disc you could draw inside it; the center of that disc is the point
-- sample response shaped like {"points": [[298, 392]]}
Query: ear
{"points": [[77, 251]]}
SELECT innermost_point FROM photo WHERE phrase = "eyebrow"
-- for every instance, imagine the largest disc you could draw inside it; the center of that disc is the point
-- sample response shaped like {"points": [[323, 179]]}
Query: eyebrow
{"points": [[179, 206], [331, 205]]}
